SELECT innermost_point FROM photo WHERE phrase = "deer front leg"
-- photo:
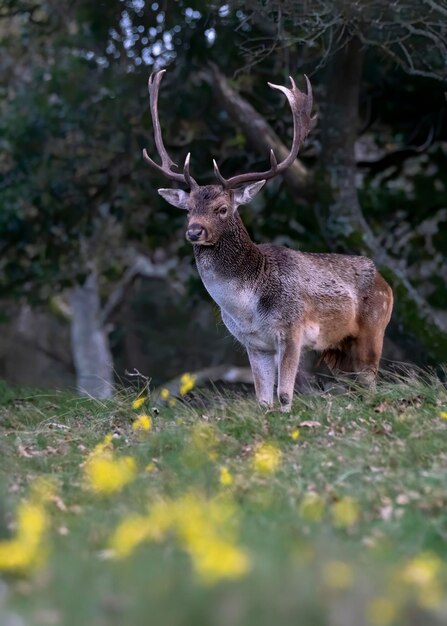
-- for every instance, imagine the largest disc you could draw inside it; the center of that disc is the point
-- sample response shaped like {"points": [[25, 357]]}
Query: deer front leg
{"points": [[289, 350], [263, 368]]}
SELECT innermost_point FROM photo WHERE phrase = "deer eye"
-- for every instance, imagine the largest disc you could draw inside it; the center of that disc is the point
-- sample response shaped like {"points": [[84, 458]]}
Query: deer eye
{"points": [[223, 211]]}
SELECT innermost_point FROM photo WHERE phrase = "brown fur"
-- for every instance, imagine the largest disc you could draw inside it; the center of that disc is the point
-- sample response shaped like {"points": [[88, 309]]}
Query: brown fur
{"points": [[277, 301], [274, 300]]}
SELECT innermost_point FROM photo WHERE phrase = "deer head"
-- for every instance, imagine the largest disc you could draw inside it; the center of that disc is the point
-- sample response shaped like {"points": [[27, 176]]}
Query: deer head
{"points": [[212, 208]]}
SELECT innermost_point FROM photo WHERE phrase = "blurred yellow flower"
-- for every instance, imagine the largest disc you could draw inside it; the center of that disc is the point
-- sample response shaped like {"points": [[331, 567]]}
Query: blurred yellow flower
{"points": [[266, 459], [165, 393], [422, 570], [204, 528], [443, 415], [295, 434], [187, 383], [107, 474], [138, 402], [132, 531], [150, 467], [345, 512], [25, 550], [143, 422], [216, 560], [338, 575], [105, 445], [381, 612], [311, 508], [225, 477]]}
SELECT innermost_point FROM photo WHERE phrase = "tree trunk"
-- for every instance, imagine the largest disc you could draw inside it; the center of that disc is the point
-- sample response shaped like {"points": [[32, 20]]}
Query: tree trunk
{"points": [[90, 345], [338, 210]]}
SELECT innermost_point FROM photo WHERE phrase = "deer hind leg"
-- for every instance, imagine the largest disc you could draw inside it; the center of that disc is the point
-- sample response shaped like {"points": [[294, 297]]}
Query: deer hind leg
{"points": [[288, 360], [366, 353], [368, 345], [263, 368]]}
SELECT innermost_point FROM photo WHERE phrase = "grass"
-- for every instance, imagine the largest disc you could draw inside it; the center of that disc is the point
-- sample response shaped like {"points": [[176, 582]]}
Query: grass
{"points": [[349, 529]]}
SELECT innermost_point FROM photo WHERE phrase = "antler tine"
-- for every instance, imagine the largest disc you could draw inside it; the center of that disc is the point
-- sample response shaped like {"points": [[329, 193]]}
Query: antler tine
{"points": [[218, 175], [301, 106], [273, 161], [188, 178], [166, 162]]}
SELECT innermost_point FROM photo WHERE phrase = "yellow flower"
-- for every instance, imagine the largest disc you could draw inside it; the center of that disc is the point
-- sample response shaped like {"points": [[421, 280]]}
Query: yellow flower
{"points": [[132, 531], [381, 612], [105, 445], [138, 402], [218, 560], [295, 434], [267, 458], [225, 477], [106, 474], [150, 467], [204, 528], [311, 507], [187, 382], [422, 570], [345, 512], [25, 550], [143, 422], [443, 415], [338, 575], [164, 393]]}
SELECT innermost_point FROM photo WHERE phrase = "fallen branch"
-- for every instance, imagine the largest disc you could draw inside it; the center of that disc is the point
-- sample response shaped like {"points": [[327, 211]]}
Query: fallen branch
{"points": [[220, 373]]}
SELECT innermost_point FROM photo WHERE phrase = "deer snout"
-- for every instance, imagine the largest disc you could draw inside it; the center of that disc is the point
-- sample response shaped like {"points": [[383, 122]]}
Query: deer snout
{"points": [[196, 232]]}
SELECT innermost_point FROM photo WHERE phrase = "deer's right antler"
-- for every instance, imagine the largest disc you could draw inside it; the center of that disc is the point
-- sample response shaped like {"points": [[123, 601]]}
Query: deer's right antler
{"points": [[301, 105], [166, 162]]}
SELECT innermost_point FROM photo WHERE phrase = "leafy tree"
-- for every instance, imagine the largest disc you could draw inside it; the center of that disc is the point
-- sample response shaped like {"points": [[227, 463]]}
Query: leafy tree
{"points": [[79, 206]]}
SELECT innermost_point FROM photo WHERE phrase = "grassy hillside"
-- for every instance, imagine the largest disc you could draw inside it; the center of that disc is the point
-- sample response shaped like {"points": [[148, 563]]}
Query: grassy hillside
{"points": [[215, 513]]}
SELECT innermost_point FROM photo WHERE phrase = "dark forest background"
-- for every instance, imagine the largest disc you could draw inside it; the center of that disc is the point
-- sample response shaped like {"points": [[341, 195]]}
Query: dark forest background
{"points": [[96, 277]]}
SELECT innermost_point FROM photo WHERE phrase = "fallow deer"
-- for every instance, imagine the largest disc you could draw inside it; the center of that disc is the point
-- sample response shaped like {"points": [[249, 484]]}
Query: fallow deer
{"points": [[274, 300]]}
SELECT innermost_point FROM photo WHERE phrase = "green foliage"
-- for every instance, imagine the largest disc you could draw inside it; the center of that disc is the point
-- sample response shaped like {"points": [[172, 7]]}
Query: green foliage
{"points": [[74, 119], [376, 465]]}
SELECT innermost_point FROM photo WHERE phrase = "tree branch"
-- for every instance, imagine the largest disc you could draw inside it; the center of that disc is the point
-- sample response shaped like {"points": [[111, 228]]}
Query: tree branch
{"points": [[142, 266]]}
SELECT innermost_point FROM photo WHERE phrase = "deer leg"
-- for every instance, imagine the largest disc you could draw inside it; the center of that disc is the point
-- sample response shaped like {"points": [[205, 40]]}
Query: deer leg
{"points": [[288, 359], [263, 368], [368, 345]]}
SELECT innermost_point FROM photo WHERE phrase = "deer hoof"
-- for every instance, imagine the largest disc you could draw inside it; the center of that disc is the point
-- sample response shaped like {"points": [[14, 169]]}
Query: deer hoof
{"points": [[285, 402], [265, 405]]}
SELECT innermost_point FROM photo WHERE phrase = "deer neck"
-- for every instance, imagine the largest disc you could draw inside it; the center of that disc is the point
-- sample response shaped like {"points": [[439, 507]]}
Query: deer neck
{"points": [[234, 257]]}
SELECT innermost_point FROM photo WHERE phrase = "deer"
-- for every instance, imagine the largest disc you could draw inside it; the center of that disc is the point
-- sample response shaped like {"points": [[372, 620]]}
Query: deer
{"points": [[274, 300]]}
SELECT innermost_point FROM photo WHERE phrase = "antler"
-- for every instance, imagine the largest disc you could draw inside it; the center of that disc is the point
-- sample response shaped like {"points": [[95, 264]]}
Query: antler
{"points": [[301, 105], [166, 162]]}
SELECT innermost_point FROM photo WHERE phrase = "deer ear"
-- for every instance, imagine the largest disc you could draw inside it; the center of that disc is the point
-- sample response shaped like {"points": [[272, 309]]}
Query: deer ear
{"points": [[245, 194], [176, 197]]}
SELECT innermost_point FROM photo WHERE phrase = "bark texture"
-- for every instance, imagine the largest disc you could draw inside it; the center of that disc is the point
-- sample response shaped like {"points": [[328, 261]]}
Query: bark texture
{"points": [[337, 206], [90, 345]]}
